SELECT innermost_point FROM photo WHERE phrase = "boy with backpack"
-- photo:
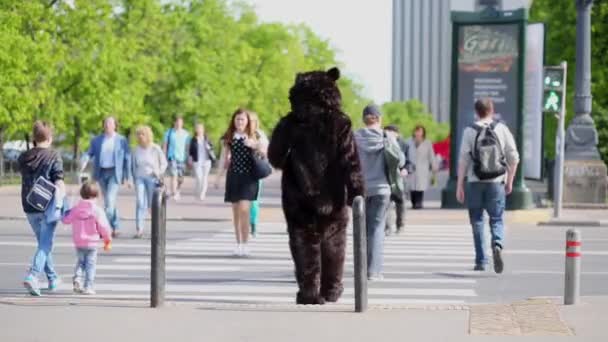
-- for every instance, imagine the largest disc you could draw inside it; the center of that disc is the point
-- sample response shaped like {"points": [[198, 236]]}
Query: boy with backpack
{"points": [[489, 159], [381, 158]]}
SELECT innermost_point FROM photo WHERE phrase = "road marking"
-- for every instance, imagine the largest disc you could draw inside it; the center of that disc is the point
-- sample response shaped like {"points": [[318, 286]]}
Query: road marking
{"points": [[273, 289]]}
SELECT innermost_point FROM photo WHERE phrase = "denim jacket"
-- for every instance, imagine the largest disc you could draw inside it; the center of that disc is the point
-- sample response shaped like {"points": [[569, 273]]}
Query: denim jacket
{"points": [[122, 158]]}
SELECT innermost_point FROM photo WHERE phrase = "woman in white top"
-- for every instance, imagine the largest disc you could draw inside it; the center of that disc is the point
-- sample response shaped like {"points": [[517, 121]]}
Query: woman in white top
{"points": [[149, 164], [200, 158], [422, 154]]}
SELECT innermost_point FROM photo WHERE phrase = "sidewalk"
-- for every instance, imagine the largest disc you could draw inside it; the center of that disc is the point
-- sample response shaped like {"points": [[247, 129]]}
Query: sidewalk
{"points": [[214, 208], [122, 321]]}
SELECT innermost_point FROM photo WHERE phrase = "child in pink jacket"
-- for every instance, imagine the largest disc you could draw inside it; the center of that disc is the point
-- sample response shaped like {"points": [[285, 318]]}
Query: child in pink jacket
{"points": [[88, 223]]}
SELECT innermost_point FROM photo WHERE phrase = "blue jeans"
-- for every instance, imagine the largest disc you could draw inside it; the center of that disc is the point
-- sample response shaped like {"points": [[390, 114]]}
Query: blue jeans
{"points": [[45, 233], [491, 198], [109, 187], [144, 188], [85, 265], [376, 208]]}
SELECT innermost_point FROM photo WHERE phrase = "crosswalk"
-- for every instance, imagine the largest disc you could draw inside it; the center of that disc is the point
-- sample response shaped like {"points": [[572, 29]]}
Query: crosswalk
{"points": [[425, 264]]}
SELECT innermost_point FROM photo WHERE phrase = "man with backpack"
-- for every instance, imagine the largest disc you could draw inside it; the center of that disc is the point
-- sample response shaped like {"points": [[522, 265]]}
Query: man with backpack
{"points": [[489, 159], [381, 158]]}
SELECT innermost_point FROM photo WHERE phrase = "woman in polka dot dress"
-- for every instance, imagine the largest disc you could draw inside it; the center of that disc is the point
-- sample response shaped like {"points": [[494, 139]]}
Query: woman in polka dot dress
{"points": [[239, 145]]}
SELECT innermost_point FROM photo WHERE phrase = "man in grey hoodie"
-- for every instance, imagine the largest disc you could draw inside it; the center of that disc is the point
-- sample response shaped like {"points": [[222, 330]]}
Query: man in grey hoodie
{"points": [[370, 144]]}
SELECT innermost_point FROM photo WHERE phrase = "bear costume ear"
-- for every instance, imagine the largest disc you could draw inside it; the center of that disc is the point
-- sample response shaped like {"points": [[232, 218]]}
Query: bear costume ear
{"points": [[298, 77], [334, 73]]}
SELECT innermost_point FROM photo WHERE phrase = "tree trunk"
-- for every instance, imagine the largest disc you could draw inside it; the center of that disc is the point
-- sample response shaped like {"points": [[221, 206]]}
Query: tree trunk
{"points": [[77, 135], [2, 153]]}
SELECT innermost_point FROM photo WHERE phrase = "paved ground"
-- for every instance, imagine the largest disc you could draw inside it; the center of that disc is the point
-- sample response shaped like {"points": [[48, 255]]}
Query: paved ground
{"points": [[427, 267]]}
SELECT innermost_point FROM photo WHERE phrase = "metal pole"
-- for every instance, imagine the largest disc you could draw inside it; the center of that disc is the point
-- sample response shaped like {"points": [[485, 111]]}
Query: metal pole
{"points": [[157, 267], [573, 267], [558, 172], [360, 254]]}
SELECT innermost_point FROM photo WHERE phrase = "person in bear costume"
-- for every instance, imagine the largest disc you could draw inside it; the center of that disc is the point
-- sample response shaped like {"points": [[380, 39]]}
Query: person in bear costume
{"points": [[314, 147]]}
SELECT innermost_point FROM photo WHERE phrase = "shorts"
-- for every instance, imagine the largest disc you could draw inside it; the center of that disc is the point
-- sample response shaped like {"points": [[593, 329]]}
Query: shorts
{"points": [[176, 169]]}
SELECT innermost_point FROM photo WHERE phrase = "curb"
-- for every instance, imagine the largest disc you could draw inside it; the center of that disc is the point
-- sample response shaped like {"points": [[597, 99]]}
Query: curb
{"points": [[573, 223]]}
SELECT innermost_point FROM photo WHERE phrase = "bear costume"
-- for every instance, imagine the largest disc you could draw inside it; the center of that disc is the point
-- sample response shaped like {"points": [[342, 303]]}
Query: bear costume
{"points": [[314, 147]]}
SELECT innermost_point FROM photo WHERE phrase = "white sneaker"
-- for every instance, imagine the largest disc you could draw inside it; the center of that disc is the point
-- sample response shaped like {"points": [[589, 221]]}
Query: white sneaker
{"points": [[376, 277], [77, 286], [89, 292], [238, 250], [177, 197], [245, 250]]}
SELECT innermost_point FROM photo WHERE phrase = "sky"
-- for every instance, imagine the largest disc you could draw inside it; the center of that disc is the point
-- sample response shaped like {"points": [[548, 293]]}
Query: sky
{"points": [[360, 31]]}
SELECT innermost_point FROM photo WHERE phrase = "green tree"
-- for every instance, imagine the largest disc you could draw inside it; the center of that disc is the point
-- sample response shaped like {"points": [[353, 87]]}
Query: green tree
{"points": [[407, 115], [560, 20]]}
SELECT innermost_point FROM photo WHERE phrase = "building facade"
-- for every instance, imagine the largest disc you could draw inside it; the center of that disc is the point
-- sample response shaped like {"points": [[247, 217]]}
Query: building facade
{"points": [[421, 56]]}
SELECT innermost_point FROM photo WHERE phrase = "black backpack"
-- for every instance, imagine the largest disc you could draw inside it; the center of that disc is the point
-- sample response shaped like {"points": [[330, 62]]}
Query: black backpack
{"points": [[488, 156]]}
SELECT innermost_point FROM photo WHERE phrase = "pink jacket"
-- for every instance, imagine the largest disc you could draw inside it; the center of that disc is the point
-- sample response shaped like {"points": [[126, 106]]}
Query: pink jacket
{"points": [[88, 222]]}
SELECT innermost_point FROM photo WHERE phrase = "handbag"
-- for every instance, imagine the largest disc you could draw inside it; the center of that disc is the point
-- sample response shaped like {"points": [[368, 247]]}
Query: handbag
{"points": [[42, 192], [261, 167]]}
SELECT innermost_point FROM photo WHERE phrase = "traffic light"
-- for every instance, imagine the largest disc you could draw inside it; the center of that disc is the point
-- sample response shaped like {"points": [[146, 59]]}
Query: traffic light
{"points": [[553, 86]]}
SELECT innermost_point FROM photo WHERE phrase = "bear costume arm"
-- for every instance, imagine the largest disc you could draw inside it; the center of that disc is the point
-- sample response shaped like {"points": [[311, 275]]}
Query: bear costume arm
{"points": [[347, 150], [279, 145]]}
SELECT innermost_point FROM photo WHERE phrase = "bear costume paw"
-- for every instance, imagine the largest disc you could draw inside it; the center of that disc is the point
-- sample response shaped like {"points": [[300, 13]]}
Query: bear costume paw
{"points": [[309, 300]]}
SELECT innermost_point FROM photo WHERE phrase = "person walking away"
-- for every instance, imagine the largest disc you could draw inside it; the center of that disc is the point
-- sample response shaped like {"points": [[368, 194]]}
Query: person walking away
{"points": [[111, 167], [201, 157], [241, 187], [489, 159], [149, 165], [398, 200], [88, 225], [175, 143], [254, 214], [421, 152], [41, 162], [371, 142]]}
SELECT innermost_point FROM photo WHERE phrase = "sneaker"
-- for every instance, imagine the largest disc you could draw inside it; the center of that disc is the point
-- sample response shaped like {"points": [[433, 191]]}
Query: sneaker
{"points": [[115, 234], [479, 268], [498, 262], [76, 286], [89, 291], [245, 250], [53, 284], [376, 277], [238, 250], [139, 235], [31, 285], [177, 197]]}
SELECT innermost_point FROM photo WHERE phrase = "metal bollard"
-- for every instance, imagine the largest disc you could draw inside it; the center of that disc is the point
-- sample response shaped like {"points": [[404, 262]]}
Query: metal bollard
{"points": [[159, 231], [573, 267], [360, 254]]}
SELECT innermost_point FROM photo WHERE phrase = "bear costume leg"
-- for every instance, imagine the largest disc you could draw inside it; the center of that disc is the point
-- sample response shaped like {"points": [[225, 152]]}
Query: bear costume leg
{"points": [[333, 250], [305, 246]]}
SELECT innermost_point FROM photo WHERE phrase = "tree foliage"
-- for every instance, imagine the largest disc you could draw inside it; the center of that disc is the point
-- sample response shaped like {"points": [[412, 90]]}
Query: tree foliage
{"points": [[560, 20], [407, 115], [146, 60]]}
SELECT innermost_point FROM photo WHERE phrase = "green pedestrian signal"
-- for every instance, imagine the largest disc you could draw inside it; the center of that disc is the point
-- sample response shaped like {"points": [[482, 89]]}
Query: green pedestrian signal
{"points": [[553, 101], [553, 85]]}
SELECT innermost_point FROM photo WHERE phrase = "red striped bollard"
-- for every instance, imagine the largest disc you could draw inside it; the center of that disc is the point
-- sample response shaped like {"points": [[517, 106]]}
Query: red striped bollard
{"points": [[573, 267]]}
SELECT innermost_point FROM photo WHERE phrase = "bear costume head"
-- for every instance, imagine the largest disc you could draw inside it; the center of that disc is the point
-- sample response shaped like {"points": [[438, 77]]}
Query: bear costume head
{"points": [[316, 90]]}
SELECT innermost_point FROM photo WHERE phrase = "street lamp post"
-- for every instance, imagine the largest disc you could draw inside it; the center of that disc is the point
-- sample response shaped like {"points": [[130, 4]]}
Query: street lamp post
{"points": [[585, 180]]}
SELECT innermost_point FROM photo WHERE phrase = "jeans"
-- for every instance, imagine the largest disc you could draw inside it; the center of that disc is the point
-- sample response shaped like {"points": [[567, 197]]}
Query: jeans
{"points": [[85, 265], [109, 187], [201, 174], [144, 190], [376, 208], [491, 198], [45, 233]]}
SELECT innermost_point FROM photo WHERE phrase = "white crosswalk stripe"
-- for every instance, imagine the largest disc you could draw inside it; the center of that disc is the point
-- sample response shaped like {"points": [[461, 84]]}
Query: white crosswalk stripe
{"points": [[426, 264]]}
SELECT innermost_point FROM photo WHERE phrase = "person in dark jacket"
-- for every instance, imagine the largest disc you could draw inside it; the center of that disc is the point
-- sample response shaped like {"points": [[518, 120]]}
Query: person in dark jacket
{"points": [[201, 157], [399, 201], [41, 161]]}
